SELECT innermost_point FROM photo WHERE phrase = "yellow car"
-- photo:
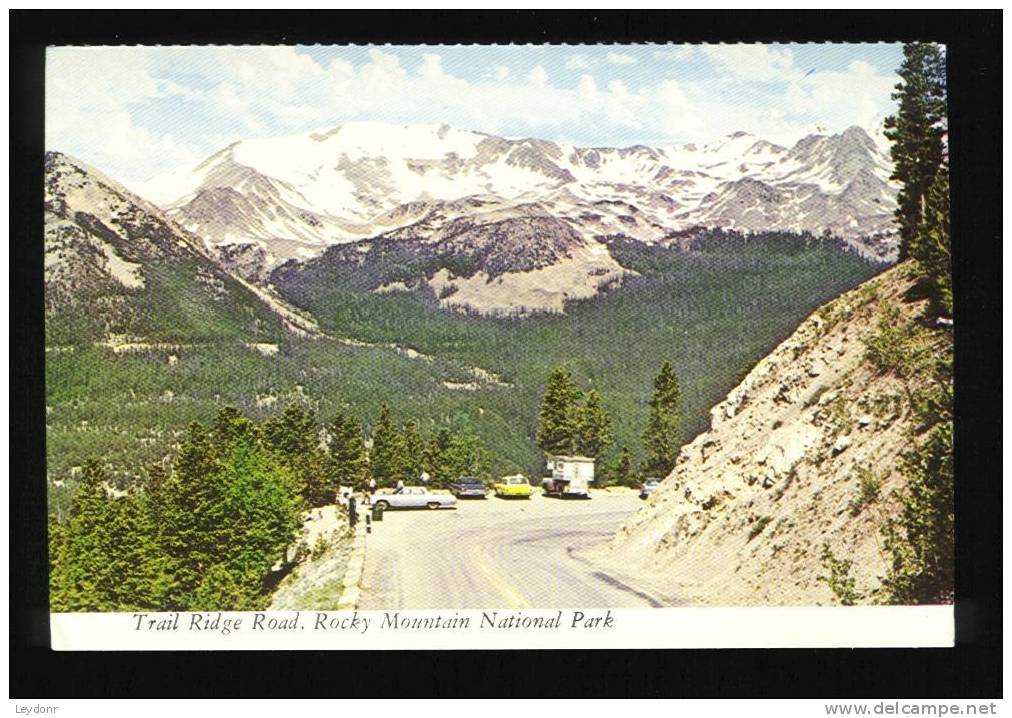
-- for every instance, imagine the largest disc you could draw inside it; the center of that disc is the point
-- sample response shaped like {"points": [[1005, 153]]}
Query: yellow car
{"points": [[515, 486]]}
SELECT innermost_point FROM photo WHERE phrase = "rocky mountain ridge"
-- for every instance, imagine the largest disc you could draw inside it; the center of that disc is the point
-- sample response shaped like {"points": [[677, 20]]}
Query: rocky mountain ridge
{"points": [[115, 266], [265, 202]]}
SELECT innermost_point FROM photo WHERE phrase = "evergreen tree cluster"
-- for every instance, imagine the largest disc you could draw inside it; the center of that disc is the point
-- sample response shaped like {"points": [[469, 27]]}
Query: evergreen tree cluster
{"points": [[570, 421], [921, 539], [573, 422], [402, 453], [204, 533], [918, 133]]}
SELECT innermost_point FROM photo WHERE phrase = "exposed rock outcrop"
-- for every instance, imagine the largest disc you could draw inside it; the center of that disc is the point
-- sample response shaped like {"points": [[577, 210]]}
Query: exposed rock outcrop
{"points": [[803, 453]]}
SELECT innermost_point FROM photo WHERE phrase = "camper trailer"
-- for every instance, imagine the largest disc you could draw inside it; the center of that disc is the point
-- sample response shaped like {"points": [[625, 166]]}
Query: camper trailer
{"points": [[569, 476]]}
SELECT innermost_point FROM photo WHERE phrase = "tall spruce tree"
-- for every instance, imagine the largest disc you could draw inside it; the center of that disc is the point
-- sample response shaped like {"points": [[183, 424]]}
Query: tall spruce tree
{"points": [[933, 249], [414, 453], [662, 438], [78, 575], [917, 132], [186, 511], [558, 420], [386, 457], [593, 431], [347, 451], [295, 436], [437, 459], [625, 474], [228, 511], [466, 455], [106, 556]]}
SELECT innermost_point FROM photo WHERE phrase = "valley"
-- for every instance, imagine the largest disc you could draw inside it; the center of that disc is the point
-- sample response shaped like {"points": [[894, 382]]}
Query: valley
{"points": [[449, 307]]}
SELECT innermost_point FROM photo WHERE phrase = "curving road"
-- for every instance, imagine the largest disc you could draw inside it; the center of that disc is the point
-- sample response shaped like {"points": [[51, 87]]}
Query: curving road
{"points": [[497, 553]]}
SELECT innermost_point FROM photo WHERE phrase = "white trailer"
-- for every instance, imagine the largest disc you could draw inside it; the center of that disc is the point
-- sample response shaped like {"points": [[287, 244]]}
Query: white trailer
{"points": [[570, 476]]}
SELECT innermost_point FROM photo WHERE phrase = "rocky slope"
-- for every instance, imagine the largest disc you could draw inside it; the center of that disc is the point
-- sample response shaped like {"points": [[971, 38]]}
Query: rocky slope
{"points": [[265, 202], [483, 262], [115, 266], [803, 453]]}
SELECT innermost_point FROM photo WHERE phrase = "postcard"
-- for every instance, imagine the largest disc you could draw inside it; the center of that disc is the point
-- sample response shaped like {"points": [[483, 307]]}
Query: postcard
{"points": [[498, 346]]}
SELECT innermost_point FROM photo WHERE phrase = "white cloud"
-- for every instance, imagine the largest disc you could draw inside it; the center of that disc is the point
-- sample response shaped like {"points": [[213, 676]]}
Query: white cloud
{"points": [[89, 93], [856, 94], [618, 58], [432, 67], [208, 97], [675, 52], [578, 62], [761, 63]]}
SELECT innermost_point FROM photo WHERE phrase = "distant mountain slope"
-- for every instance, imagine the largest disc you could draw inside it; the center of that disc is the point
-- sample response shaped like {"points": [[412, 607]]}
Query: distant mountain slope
{"points": [[483, 262], [117, 268], [265, 202], [804, 453]]}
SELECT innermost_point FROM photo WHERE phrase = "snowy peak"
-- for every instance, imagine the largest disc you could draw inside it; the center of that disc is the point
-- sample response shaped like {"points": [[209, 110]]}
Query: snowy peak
{"points": [[292, 197], [838, 158]]}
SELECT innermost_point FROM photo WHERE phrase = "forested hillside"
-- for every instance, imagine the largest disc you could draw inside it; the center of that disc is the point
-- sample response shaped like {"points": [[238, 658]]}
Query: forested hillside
{"points": [[711, 308]]}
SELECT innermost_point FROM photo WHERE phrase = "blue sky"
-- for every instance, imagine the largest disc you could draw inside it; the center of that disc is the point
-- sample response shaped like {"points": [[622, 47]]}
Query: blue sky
{"points": [[134, 112]]}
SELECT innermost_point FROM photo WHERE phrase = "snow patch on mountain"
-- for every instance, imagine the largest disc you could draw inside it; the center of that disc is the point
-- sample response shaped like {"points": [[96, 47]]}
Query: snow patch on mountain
{"points": [[292, 197]]}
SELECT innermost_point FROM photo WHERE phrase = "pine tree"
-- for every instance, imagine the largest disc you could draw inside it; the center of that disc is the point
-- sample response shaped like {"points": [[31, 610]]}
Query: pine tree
{"points": [[259, 515], [187, 513], [933, 249], [593, 427], [921, 541], [662, 438], [437, 461], [559, 415], [624, 474], [295, 435], [347, 451], [413, 453], [466, 455], [386, 457], [77, 576], [917, 132]]}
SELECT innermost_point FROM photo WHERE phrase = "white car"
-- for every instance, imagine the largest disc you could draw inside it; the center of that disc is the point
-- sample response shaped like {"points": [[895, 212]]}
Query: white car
{"points": [[414, 497]]}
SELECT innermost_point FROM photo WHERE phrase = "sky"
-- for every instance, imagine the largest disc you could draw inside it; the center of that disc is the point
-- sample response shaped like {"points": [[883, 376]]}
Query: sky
{"points": [[136, 112]]}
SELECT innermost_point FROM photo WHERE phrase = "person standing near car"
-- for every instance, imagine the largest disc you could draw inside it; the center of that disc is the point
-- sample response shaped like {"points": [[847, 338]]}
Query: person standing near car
{"points": [[400, 486], [424, 478]]}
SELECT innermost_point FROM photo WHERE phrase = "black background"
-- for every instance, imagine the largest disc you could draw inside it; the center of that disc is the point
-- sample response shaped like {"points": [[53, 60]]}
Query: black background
{"points": [[972, 669]]}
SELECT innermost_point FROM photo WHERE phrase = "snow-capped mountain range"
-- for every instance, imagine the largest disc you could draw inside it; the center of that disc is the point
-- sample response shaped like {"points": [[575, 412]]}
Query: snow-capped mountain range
{"points": [[261, 203]]}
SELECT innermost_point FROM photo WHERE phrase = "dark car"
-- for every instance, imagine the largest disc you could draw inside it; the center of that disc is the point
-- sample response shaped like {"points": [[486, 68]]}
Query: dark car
{"points": [[469, 487]]}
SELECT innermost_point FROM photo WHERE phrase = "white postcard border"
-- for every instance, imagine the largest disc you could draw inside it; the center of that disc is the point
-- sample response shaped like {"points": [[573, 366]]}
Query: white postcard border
{"points": [[581, 628]]}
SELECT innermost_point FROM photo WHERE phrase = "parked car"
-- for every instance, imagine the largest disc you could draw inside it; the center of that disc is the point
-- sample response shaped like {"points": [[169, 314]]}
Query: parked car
{"points": [[414, 497], [515, 486], [469, 487], [649, 486]]}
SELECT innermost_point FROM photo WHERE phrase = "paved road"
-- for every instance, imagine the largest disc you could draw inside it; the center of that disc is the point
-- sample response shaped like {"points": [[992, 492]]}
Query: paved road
{"points": [[496, 553]]}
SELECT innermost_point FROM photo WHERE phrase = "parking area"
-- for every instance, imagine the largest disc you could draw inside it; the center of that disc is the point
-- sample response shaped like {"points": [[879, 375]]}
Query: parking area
{"points": [[497, 553]]}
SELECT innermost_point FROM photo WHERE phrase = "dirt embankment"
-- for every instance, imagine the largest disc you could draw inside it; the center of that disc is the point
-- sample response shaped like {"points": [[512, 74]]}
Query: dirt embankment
{"points": [[803, 453], [316, 582]]}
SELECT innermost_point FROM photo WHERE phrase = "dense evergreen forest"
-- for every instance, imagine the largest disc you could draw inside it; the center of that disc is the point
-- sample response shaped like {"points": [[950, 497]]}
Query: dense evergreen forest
{"points": [[711, 310]]}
